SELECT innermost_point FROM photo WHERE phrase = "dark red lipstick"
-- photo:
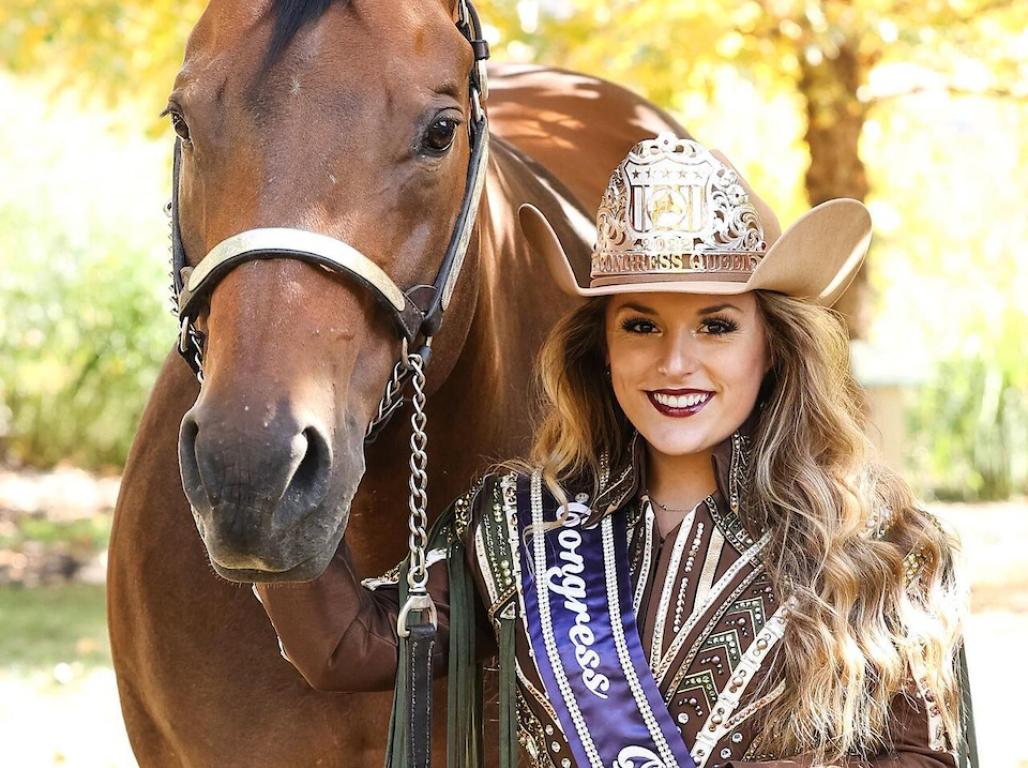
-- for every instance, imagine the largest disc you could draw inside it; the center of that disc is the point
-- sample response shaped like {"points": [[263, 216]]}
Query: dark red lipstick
{"points": [[678, 403]]}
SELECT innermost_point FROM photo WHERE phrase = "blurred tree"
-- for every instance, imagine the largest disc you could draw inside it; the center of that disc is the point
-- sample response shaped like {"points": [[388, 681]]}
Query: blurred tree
{"points": [[829, 84], [122, 50], [824, 51], [84, 324], [949, 277]]}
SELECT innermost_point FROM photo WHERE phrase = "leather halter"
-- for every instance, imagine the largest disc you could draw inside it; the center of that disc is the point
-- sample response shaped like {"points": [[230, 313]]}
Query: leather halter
{"points": [[418, 311]]}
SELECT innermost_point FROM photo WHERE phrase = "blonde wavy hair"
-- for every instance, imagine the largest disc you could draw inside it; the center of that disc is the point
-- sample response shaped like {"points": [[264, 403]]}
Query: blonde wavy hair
{"points": [[843, 528]]}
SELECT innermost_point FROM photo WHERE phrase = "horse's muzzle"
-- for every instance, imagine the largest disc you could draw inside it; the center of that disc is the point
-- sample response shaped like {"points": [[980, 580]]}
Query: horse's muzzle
{"points": [[260, 491]]}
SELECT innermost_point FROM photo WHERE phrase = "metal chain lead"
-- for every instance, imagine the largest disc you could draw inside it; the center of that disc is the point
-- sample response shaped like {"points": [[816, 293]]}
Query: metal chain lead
{"points": [[418, 599], [172, 298], [417, 502], [391, 400]]}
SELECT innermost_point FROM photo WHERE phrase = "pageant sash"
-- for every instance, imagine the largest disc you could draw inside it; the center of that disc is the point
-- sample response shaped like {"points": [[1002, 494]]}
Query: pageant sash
{"points": [[578, 614]]}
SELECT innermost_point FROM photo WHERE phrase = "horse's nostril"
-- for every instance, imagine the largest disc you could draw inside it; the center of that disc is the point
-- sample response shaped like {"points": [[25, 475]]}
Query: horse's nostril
{"points": [[307, 473], [187, 459], [309, 483]]}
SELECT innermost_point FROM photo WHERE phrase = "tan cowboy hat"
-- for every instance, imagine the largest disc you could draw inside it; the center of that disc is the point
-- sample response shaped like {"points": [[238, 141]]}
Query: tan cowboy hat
{"points": [[678, 217]]}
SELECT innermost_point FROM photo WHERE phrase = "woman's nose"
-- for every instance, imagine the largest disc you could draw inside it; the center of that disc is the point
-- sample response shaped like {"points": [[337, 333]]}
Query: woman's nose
{"points": [[679, 356]]}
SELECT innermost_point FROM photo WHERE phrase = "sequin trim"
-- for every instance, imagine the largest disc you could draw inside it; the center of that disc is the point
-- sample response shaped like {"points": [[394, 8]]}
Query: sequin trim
{"points": [[717, 723]]}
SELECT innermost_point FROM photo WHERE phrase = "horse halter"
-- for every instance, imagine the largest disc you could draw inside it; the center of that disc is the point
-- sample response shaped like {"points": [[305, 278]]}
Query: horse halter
{"points": [[417, 311]]}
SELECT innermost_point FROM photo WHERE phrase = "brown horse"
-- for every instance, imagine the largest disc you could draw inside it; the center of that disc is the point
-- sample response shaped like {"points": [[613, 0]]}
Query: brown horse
{"points": [[325, 134]]}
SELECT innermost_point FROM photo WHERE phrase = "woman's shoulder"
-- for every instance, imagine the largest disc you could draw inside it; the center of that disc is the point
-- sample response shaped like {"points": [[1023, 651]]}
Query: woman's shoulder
{"points": [[499, 476], [492, 495], [496, 479], [927, 544], [486, 496]]}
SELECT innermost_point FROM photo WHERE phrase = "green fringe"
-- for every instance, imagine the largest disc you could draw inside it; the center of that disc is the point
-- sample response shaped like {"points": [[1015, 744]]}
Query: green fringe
{"points": [[464, 696], [508, 703], [464, 678], [465, 722], [969, 741]]}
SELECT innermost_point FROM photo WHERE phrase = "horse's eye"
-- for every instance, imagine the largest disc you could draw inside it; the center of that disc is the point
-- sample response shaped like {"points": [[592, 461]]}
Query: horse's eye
{"points": [[439, 135], [179, 124]]}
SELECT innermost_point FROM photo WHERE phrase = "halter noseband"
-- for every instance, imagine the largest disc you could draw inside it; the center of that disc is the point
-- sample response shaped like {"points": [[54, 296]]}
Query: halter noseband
{"points": [[417, 312]]}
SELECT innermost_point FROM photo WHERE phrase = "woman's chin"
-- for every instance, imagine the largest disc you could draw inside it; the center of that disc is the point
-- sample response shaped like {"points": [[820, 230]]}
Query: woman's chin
{"points": [[676, 444]]}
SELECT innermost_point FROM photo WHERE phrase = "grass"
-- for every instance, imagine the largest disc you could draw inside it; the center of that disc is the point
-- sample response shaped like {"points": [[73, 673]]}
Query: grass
{"points": [[55, 668], [90, 533], [45, 626], [55, 664]]}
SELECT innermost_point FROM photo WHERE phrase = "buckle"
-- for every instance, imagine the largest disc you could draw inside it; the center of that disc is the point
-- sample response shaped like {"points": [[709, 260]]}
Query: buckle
{"points": [[416, 603]]}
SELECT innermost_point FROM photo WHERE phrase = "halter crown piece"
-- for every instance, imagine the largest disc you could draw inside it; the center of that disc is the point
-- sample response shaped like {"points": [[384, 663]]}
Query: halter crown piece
{"points": [[671, 207]]}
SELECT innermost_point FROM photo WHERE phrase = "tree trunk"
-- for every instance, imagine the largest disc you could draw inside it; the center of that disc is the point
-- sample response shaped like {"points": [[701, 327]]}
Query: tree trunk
{"points": [[835, 118]]}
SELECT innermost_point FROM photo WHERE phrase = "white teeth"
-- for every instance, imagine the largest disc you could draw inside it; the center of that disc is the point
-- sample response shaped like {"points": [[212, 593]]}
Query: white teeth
{"points": [[681, 401]]}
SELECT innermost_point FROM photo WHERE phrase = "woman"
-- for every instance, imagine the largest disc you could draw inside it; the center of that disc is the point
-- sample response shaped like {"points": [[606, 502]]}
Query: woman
{"points": [[701, 564]]}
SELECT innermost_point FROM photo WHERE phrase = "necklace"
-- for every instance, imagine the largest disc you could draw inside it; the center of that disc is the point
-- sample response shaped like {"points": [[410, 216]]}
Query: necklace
{"points": [[665, 509]]}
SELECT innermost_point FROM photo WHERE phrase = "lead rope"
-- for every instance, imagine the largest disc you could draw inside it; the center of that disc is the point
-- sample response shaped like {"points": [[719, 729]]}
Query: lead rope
{"points": [[417, 621], [417, 501]]}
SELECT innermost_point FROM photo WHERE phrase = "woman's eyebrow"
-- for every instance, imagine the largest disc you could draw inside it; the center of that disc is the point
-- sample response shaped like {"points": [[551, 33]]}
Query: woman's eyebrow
{"points": [[638, 308], [718, 308], [650, 311]]}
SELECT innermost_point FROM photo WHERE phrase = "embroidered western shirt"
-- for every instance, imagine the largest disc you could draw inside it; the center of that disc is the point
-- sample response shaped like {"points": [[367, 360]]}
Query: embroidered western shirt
{"points": [[709, 621]]}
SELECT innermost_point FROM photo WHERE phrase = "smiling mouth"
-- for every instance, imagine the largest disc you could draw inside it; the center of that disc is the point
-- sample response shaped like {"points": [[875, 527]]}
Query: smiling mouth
{"points": [[679, 403]]}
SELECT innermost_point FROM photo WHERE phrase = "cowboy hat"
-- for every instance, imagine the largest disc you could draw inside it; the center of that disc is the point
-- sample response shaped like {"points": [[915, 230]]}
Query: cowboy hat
{"points": [[678, 217]]}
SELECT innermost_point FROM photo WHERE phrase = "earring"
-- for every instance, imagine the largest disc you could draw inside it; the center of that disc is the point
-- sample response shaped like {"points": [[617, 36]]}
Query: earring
{"points": [[765, 391]]}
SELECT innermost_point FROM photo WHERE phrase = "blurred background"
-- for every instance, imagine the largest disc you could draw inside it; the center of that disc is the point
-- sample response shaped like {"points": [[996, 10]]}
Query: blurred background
{"points": [[917, 108]]}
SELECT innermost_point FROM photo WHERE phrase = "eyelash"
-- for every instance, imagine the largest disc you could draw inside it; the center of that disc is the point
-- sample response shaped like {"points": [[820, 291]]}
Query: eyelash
{"points": [[632, 324]]}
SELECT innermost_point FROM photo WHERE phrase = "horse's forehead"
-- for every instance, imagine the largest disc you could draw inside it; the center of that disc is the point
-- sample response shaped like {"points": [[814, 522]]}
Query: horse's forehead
{"points": [[238, 31], [229, 24], [406, 42]]}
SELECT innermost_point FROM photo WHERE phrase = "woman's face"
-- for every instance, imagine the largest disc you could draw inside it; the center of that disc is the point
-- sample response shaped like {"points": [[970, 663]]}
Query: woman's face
{"points": [[686, 368]]}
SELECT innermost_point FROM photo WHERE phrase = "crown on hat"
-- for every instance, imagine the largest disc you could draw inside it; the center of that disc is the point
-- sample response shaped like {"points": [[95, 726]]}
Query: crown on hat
{"points": [[670, 208]]}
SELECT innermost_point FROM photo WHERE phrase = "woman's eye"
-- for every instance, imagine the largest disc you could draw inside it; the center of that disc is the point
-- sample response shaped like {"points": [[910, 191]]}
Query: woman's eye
{"points": [[638, 326], [179, 124], [440, 134], [720, 326]]}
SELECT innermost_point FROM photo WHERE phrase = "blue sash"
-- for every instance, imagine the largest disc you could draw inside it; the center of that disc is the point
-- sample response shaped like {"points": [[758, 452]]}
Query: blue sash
{"points": [[578, 613]]}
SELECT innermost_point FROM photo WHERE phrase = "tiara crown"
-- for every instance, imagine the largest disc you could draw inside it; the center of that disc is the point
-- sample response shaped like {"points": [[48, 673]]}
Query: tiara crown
{"points": [[671, 208]]}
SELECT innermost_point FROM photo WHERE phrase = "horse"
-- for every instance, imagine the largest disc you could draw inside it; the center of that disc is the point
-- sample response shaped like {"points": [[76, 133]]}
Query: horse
{"points": [[314, 114]]}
